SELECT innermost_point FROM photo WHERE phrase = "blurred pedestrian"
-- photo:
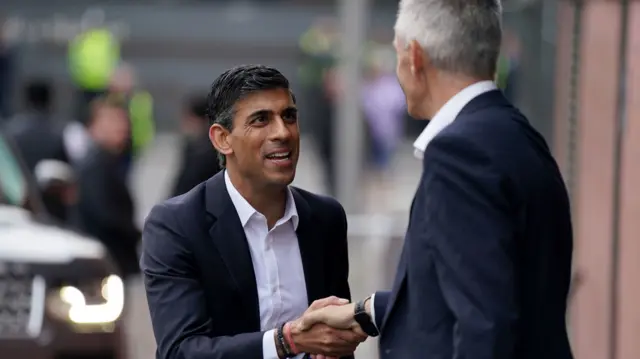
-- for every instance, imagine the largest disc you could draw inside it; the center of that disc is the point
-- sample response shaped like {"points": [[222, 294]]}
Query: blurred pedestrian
{"points": [[93, 57], [384, 108], [35, 132], [230, 262], [199, 157], [124, 86], [318, 51], [105, 205]]}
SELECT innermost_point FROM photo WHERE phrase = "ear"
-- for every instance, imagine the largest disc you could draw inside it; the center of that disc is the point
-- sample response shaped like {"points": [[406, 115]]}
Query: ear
{"points": [[418, 59], [220, 139]]}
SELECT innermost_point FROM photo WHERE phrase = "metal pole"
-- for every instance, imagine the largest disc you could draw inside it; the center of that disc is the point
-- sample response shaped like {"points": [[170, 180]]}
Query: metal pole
{"points": [[348, 128], [621, 121]]}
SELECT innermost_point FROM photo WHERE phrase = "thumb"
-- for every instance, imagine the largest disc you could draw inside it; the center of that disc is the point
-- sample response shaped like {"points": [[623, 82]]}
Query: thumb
{"points": [[324, 302]]}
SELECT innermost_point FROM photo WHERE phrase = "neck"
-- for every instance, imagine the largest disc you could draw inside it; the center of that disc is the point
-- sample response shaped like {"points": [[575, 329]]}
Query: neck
{"points": [[270, 201], [442, 88]]}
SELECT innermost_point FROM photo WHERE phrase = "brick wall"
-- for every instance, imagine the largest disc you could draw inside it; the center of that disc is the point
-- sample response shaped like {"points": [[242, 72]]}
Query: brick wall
{"points": [[593, 201]]}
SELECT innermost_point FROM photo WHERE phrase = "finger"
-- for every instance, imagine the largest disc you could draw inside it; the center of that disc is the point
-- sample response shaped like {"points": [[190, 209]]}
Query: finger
{"points": [[309, 319], [360, 333], [351, 336], [333, 300]]}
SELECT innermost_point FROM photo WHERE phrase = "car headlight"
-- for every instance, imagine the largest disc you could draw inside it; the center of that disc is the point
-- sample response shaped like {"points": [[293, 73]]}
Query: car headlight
{"points": [[71, 303]]}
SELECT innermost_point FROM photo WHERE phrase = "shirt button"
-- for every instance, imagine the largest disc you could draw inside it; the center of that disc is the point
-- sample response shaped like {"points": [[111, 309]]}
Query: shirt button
{"points": [[274, 290]]}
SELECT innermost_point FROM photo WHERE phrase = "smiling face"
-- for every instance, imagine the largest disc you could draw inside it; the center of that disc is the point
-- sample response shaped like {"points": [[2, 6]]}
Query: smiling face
{"points": [[264, 142]]}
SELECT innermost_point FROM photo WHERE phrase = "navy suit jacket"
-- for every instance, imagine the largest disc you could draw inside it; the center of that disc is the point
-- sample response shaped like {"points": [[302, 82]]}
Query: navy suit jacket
{"points": [[199, 276], [485, 269]]}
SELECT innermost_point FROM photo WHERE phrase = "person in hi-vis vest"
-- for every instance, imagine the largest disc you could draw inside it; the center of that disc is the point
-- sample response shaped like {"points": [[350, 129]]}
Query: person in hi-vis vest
{"points": [[140, 106], [93, 57]]}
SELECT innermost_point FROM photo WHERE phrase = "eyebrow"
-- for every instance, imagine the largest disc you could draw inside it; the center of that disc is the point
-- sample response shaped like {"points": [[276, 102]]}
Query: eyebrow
{"points": [[264, 112], [291, 110], [259, 113]]}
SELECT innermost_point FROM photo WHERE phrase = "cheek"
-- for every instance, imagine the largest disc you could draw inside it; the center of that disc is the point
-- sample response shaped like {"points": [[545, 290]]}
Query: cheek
{"points": [[402, 78], [248, 147]]}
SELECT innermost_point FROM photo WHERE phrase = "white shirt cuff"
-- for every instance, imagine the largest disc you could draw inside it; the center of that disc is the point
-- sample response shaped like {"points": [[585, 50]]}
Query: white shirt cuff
{"points": [[269, 350], [373, 310]]}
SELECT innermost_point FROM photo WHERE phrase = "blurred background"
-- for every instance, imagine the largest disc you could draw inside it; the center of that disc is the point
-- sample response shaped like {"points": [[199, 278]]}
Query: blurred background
{"points": [[571, 66]]}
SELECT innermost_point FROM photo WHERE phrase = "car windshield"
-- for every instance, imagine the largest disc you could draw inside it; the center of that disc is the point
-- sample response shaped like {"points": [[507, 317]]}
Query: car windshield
{"points": [[13, 185]]}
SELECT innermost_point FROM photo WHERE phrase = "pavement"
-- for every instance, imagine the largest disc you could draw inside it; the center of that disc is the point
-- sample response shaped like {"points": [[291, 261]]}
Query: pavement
{"points": [[375, 234]]}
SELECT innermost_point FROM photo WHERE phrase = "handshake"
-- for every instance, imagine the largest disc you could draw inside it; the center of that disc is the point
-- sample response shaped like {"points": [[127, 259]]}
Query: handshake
{"points": [[326, 330]]}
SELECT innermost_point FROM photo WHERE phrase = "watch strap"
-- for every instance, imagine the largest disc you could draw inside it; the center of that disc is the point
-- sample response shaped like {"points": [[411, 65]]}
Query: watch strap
{"points": [[364, 320]]}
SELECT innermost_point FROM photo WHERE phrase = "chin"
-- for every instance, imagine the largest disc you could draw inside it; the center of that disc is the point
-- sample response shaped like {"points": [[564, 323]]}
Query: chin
{"points": [[282, 172], [281, 179]]}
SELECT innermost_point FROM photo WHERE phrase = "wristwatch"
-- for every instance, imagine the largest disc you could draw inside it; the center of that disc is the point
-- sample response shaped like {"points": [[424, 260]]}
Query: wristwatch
{"points": [[364, 320]]}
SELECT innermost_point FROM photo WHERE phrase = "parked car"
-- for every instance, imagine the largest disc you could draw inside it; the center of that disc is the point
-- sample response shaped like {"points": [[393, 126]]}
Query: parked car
{"points": [[59, 295]]}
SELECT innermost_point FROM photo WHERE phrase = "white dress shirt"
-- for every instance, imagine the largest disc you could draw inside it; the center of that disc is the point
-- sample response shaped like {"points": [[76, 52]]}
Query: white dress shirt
{"points": [[443, 118], [282, 290], [448, 113]]}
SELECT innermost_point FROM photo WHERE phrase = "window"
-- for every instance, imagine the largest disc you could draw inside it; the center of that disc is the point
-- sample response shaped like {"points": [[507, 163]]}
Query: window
{"points": [[13, 185]]}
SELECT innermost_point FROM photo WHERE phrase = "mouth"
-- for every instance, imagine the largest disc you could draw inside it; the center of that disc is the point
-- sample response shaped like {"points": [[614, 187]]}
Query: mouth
{"points": [[280, 158]]}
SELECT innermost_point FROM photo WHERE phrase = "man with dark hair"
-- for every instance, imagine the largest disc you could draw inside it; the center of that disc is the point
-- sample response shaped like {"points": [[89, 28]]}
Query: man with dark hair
{"points": [[231, 263], [106, 209], [199, 158], [34, 131]]}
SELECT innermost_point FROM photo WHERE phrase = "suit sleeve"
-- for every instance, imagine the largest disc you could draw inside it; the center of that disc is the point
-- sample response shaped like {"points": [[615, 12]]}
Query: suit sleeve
{"points": [[379, 302], [469, 233], [181, 324], [340, 260]]}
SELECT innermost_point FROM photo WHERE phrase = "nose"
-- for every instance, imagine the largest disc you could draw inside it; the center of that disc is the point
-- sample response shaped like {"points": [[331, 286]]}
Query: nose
{"points": [[280, 131]]}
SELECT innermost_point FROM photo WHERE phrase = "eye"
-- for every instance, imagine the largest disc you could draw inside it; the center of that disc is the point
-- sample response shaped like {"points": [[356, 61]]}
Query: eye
{"points": [[290, 116], [260, 119]]}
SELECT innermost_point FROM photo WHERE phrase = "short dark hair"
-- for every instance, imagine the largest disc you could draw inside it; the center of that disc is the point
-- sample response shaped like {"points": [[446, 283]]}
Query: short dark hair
{"points": [[233, 85], [38, 94]]}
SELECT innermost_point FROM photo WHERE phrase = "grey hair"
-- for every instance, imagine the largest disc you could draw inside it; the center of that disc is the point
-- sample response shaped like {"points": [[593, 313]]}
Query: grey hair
{"points": [[459, 36]]}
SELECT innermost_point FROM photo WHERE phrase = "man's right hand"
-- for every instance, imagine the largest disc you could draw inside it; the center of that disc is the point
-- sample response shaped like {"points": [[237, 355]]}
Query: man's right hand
{"points": [[323, 339]]}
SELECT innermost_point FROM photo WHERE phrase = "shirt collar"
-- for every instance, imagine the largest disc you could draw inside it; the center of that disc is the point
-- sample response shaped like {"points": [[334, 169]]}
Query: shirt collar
{"points": [[448, 113], [246, 211]]}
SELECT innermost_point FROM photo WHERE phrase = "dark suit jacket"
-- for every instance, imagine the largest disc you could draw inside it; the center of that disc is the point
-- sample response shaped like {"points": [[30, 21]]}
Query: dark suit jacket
{"points": [[199, 276], [106, 209], [486, 263]]}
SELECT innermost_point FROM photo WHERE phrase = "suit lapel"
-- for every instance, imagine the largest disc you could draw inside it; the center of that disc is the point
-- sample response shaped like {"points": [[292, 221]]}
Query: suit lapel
{"points": [[311, 246], [230, 241]]}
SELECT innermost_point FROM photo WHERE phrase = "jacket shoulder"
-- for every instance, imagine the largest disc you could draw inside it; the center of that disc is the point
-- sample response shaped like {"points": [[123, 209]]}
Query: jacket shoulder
{"points": [[181, 213], [321, 203]]}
